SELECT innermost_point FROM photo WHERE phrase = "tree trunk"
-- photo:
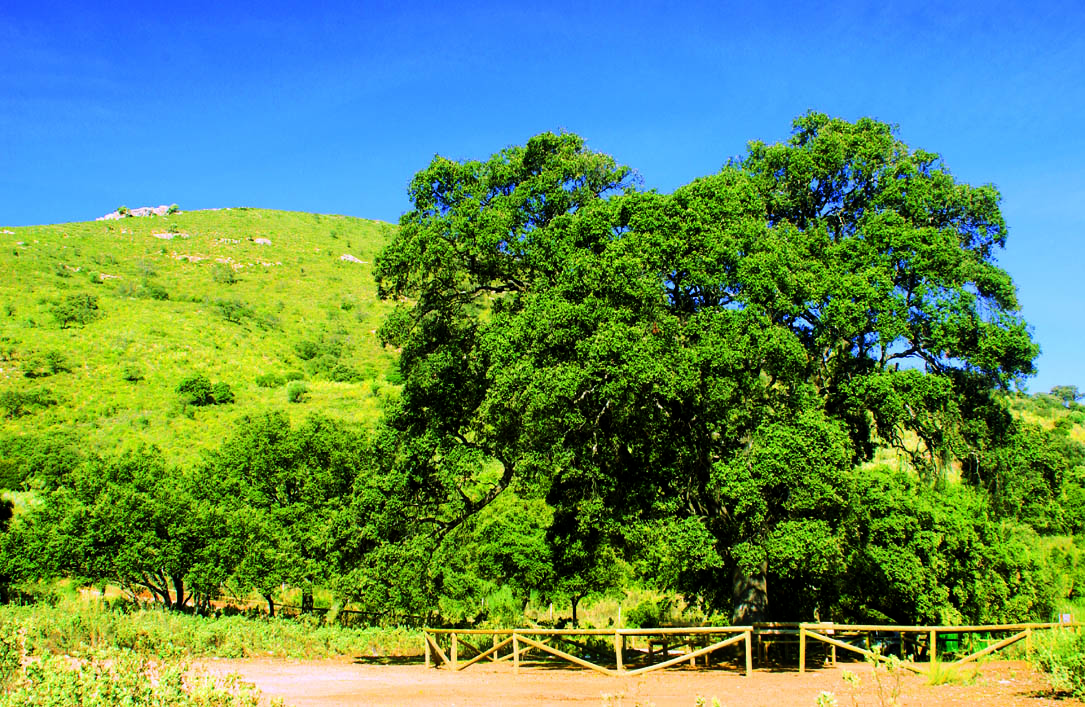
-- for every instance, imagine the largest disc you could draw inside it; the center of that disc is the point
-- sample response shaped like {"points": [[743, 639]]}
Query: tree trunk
{"points": [[575, 602], [179, 590], [270, 605], [749, 596]]}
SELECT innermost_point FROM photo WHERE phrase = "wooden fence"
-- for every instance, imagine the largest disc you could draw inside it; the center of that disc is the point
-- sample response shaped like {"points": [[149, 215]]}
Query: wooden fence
{"points": [[519, 641], [613, 655], [924, 640]]}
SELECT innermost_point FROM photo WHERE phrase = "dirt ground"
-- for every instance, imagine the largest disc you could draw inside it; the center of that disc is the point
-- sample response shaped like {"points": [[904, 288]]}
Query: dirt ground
{"points": [[360, 682]]}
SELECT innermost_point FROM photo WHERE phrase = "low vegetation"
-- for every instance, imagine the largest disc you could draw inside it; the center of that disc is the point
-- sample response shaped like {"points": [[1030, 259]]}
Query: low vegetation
{"points": [[83, 628], [1061, 655]]}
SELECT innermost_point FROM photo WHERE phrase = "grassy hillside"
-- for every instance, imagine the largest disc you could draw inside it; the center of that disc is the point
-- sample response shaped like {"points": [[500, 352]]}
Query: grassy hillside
{"points": [[249, 297]]}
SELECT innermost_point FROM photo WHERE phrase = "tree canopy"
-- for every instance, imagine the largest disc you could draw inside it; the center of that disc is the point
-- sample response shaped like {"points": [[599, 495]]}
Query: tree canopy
{"points": [[716, 359]]}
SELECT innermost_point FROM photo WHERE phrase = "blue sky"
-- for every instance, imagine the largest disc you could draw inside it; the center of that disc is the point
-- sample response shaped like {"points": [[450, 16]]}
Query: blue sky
{"points": [[331, 107]]}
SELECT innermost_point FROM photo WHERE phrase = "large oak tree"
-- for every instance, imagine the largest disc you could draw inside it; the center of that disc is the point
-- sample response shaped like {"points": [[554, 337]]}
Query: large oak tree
{"points": [[704, 366]]}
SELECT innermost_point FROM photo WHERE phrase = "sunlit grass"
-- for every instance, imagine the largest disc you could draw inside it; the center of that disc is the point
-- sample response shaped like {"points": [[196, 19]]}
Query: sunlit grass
{"points": [[293, 287]]}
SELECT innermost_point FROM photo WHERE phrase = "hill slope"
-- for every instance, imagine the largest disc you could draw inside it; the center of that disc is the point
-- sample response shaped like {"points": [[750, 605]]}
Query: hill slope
{"points": [[236, 295]]}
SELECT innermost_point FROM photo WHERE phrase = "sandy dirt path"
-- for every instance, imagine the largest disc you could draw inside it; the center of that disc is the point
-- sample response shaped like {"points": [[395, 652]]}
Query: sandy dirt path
{"points": [[329, 683]]}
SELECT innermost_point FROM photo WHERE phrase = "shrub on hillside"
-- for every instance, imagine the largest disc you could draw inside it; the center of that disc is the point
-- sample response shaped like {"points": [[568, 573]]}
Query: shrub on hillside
{"points": [[47, 457], [152, 290], [223, 274], [16, 403], [307, 350], [132, 373], [42, 364], [221, 394], [297, 393], [196, 390], [233, 309], [269, 380], [76, 309]]}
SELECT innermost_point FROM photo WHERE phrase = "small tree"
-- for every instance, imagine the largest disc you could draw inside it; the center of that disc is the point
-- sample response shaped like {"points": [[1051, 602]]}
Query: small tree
{"points": [[196, 390], [76, 309], [1068, 394]]}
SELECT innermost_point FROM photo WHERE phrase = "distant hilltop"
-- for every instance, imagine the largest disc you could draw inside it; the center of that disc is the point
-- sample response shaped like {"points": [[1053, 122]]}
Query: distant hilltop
{"points": [[125, 212]]}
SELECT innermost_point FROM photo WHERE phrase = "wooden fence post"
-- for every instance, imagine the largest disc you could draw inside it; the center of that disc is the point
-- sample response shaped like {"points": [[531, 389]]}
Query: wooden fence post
{"points": [[619, 645], [802, 648], [749, 655], [425, 642], [934, 646], [455, 651], [493, 657], [515, 653]]}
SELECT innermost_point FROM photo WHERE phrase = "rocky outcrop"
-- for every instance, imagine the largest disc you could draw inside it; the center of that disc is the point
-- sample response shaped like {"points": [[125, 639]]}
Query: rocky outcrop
{"points": [[140, 211]]}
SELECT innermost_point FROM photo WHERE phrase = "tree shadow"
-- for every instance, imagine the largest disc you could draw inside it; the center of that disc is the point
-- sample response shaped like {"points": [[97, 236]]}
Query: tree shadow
{"points": [[389, 660]]}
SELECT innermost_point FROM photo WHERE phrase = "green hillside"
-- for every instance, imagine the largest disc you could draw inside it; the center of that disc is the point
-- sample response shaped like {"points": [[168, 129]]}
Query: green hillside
{"points": [[269, 302]]}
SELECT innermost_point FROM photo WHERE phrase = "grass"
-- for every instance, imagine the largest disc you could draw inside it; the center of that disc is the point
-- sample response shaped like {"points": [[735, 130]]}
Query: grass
{"points": [[231, 295], [80, 628], [940, 673]]}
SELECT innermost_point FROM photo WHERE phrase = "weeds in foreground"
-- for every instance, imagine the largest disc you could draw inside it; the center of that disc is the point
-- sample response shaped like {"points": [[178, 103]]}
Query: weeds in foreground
{"points": [[110, 677], [887, 674], [1061, 656], [617, 699]]}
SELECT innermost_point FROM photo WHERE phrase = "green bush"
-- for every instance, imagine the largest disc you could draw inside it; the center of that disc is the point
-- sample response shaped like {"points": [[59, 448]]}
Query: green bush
{"points": [[269, 380], [648, 614], [221, 394], [307, 350], [16, 403], [132, 373], [196, 390], [49, 456], [78, 308], [233, 309], [152, 290], [49, 363], [223, 274], [297, 393], [1061, 655], [115, 677]]}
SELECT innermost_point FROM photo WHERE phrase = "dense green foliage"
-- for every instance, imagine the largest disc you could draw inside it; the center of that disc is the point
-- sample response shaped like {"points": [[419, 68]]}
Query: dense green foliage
{"points": [[708, 367]]}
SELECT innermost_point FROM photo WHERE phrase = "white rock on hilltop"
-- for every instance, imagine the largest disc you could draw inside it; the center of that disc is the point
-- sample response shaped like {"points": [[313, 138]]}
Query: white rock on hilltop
{"points": [[139, 211]]}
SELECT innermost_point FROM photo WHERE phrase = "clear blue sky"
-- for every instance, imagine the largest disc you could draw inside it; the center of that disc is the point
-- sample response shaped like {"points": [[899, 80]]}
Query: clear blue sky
{"points": [[331, 107]]}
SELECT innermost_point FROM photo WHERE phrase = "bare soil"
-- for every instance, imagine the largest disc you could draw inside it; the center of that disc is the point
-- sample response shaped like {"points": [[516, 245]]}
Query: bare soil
{"points": [[396, 681]]}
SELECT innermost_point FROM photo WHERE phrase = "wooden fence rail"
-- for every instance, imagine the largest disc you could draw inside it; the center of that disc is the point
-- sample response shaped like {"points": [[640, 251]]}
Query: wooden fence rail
{"points": [[541, 640], [827, 632], [699, 643]]}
